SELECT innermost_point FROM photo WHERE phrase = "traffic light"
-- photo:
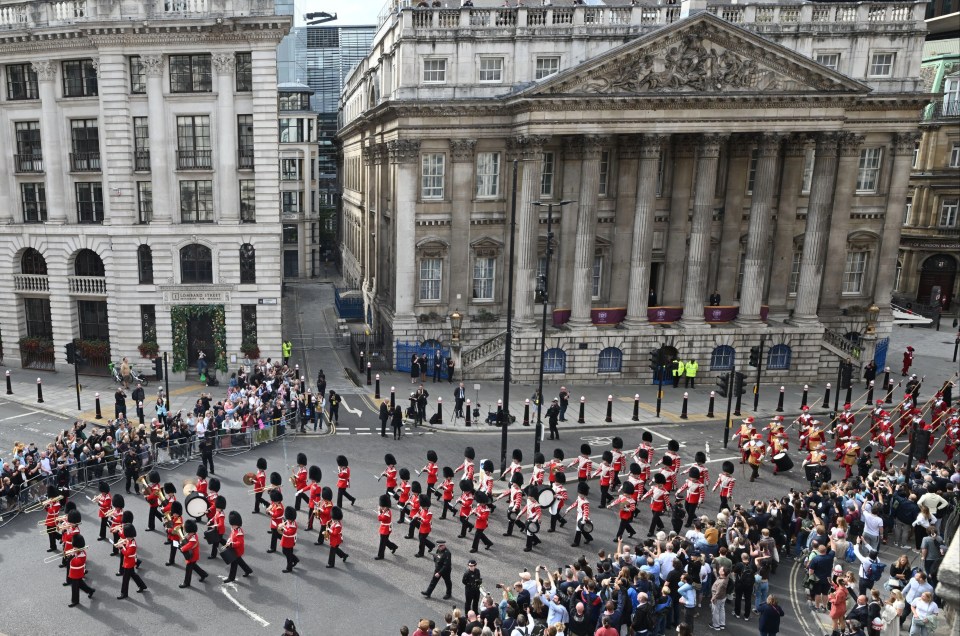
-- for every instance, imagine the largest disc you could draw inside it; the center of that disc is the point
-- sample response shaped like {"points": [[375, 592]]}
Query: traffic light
{"points": [[723, 384], [654, 359], [71, 348], [755, 357], [739, 387], [158, 367]]}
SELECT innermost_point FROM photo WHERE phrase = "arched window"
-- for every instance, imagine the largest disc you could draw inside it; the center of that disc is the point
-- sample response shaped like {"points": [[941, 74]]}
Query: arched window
{"points": [[722, 358], [32, 262], [145, 264], [88, 263], [196, 264], [610, 360], [248, 264], [554, 361], [779, 357]]}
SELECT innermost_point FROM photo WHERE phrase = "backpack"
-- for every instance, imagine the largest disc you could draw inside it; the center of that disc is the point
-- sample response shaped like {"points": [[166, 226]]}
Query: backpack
{"points": [[856, 527], [874, 570], [850, 556]]}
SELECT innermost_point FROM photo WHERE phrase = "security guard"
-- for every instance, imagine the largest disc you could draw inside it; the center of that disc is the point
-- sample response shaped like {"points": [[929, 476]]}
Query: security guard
{"points": [[287, 349], [678, 371], [691, 370]]}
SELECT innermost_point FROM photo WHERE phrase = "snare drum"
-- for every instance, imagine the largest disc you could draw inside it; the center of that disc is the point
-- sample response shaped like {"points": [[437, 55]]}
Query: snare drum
{"points": [[783, 462], [513, 515], [546, 496], [533, 527], [228, 554], [585, 527]]}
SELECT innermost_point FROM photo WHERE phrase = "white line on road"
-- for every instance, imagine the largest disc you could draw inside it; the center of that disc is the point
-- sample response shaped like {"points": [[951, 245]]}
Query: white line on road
{"points": [[660, 435], [357, 412], [13, 417], [364, 433], [361, 428], [252, 615]]}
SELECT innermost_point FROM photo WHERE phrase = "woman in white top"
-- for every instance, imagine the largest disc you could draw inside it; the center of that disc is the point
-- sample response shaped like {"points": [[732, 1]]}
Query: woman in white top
{"points": [[891, 612], [923, 521], [924, 610]]}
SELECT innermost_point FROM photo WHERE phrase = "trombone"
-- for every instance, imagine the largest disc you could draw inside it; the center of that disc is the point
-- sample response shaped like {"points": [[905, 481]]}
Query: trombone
{"points": [[42, 504], [62, 555], [265, 488], [56, 521]]}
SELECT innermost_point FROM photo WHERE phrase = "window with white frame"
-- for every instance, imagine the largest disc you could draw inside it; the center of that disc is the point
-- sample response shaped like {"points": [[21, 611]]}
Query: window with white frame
{"points": [[434, 71], [907, 209], [808, 159], [488, 174], [752, 171], [853, 272], [546, 175], [868, 176], [795, 271], [597, 276], [432, 173], [916, 154], [951, 96], [484, 268], [431, 270], [881, 65], [604, 173], [897, 274], [948, 212], [829, 60], [491, 69], [955, 156], [546, 66]]}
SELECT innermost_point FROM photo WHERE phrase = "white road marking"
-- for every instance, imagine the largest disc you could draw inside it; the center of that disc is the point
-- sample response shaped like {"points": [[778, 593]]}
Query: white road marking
{"points": [[252, 615], [360, 428], [660, 435], [364, 433], [13, 417], [357, 412]]}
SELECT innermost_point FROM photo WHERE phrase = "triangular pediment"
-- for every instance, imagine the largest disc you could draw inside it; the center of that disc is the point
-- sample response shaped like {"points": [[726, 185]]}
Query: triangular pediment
{"points": [[699, 55]]}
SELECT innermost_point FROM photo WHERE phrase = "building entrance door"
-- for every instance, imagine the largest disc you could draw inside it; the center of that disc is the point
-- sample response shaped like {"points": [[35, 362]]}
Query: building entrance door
{"points": [[200, 338], [940, 270]]}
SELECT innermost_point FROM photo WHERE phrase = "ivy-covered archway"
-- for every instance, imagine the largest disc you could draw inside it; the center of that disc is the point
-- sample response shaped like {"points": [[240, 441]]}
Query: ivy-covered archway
{"points": [[180, 314]]}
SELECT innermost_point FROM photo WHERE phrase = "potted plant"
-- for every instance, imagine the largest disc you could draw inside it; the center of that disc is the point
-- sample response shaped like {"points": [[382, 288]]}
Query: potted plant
{"points": [[250, 349], [35, 344], [149, 349]]}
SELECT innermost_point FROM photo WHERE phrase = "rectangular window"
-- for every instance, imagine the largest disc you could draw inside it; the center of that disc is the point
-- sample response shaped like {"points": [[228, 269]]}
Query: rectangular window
{"points": [[881, 65], [89, 202], [434, 71], [948, 213], [193, 143], [752, 171], [248, 202], [291, 169], [244, 72], [245, 142], [148, 323], [955, 156], [795, 272], [604, 173], [853, 272], [290, 235], [138, 77], [488, 174], [291, 203], [546, 175], [907, 209], [29, 157], [33, 196], [431, 178], [296, 130], [808, 158], [597, 276], [79, 78], [483, 272], [85, 140], [491, 69], [916, 154], [190, 73], [868, 177], [248, 323], [37, 314], [430, 278], [546, 66], [21, 82], [145, 201], [141, 144], [92, 319], [196, 201], [829, 60]]}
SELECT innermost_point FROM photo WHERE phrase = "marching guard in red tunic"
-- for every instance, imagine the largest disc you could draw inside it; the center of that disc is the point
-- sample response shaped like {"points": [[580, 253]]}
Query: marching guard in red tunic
{"points": [[385, 519], [584, 525], [465, 502], [467, 466], [744, 434], [128, 566], [695, 494], [336, 537], [659, 502], [259, 485], [556, 465], [191, 553], [314, 492], [390, 472], [482, 512], [627, 502], [77, 570], [583, 463], [104, 503], [532, 513], [288, 539], [560, 491], [343, 481], [300, 481], [605, 473], [446, 490], [432, 469], [237, 541], [726, 481]]}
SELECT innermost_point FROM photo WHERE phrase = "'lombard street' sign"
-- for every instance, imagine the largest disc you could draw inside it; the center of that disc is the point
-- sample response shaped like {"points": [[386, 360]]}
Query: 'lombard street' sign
{"points": [[196, 294]]}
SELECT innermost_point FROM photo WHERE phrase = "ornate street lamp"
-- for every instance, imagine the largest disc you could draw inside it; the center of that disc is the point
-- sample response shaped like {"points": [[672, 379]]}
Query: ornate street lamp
{"points": [[456, 322], [873, 312]]}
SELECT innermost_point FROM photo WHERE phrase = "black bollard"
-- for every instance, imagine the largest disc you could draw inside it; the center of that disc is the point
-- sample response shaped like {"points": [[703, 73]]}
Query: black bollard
{"points": [[369, 367], [439, 410], [780, 401], [526, 412], [39, 391], [736, 410], [393, 397], [583, 403], [826, 397], [468, 413], [376, 390], [361, 361], [500, 417], [636, 407], [887, 385], [609, 417], [683, 410], [870, 394], [713, 396], [806, 390], [9, 386], [99, 414]]}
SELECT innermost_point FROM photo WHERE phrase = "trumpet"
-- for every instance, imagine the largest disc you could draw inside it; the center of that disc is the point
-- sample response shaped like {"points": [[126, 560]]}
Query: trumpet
{"points": [[61, 556], [265, 489], [122, 542], [42, 503], [56, 521]]}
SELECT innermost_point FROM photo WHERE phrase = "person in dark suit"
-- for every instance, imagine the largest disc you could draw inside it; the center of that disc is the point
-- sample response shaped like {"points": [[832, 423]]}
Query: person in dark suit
{"points": [[459, 395], [770, 615], [451, 367], [384, 416], [397, 414], [437, 364], [442, 566]]}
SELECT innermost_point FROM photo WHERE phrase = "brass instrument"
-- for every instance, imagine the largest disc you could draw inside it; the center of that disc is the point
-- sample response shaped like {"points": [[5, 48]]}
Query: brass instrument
{"points": [[122, 542], [56, 520], [62, 555], [42, 503], [180, 534], [189, 486], [326, 533], [248, 478], [142, 481], [265, 489]]}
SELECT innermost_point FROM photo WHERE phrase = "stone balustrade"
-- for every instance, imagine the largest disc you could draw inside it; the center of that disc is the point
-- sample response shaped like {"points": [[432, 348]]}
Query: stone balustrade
{"points": [[53, 13], [88, 285], [32, 283]]}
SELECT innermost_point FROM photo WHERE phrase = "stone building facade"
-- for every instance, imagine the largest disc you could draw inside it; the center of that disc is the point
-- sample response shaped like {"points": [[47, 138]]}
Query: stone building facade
{"points": [[140, 194], [759, 153]]}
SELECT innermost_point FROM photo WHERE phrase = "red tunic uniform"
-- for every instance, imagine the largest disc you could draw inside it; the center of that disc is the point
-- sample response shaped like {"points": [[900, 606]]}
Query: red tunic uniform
{"points": [[404, 495], [343, 477], [447, 489], [391, 475], [426, 520], [726, 483], [431, 469], [326, 508], [466, 504], [315, 490], [237, 541], [605, 472], [695, 492], [659, 498], [536, 477], [129, 552], [202, 486], [168, 504], [627, 506], [152, 495], [467, 468], [336, 533], [176, 522], [78, 565], [618, 460], [191, 548], [385, 517], [584, 465], [300, 479], [103, 503], [561, 493], [53, 510], [276, 514], [211, 503], [289, 537], [219, 521], [259, 481], [674, 460], [553, 467], [483, 516]]}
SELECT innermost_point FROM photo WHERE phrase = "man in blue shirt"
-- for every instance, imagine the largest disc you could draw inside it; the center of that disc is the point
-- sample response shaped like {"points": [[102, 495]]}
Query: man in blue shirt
{"points": [[821, 567]]}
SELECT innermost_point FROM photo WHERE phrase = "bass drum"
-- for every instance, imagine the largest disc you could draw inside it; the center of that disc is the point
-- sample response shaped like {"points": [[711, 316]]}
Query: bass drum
{"points": [[555, 506], [196, 505], [545, 496], [783, 462]]}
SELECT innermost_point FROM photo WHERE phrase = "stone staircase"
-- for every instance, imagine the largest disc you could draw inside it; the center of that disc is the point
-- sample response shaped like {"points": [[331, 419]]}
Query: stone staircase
{"points": [[483, 352], [834, 342]]}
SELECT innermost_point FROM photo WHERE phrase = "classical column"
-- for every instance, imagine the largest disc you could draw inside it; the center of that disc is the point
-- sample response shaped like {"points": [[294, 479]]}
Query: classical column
{"points": [[224, 65], [781, 261], [528, 225], [845, 188], [54, 146], [643, 220], [886, 258], [159, 168], [460, 276], [758, 235], [404, 154], [815, 235], [586, 232], [698, 254]]}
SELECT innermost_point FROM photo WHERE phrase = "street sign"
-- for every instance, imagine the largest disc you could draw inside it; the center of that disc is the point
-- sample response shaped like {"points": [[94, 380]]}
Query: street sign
{"points": [[266, 301]]}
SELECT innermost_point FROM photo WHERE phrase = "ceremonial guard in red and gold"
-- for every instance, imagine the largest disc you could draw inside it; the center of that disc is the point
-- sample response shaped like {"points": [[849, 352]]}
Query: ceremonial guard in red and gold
{"points": [[659, 501], [343, 481], [851, 452], [556, 465], [532, 514], [774, 428], [726, 481], [116, 521], [104, 504], [425, 518], [813, 437], [465, 502], [336, 537], [482, 512], [777, 446], [276, 483], [556, 510], [485, 479], [584, 525], [288, 531], [260, 485], [700, 461], [844, 429], [390, 472], [744, 434], [757, 450], [77, 570], [885, 443], [635, 479], [191, 553], [673, 454], [217, 525], [804, 419], [385, 518], [432, 470], [583, 463], [536, 475], [127, 520], [906, 409], [668, 472], [276, 517], [605, 472], [516, 465], [323, 512], [646, 444], [152, 495], [467, 466], [515, 498], [641, 474], [626, 500], [314, 490], [939, 410], [237, 541], [876, 416], [202, 480], [952, 434], [446, 490], [299, 479], [175, 532], [619, 460], [128, 567], [51, 521], [413, 508], [169, 496], [695, 494]]}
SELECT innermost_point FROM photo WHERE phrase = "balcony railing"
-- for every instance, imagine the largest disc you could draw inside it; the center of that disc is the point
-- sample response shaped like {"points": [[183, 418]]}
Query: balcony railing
{"points": [[29, 163], [194, 159], [31, 283], [88, 285], [85, 161], [245, 159], [37, 356], [141, 160], [946, 110], [34, 13]]}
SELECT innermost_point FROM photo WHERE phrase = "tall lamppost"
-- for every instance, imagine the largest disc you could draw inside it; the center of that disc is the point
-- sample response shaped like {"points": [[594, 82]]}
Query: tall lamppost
{"points": [[543, 294]]}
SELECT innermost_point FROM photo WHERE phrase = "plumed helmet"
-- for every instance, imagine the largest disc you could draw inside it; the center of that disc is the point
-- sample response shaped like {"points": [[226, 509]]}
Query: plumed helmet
{"points": [[389, 459], [665, 461], [302, 459], [431, 455], [235, 519], [117, 501], [447, 472], [538, 458], [52, 490], [424, 501], [700, 457], [315, 473], [342, 461], [79, 542], [276, 496], [517, 455], [487, 465], [289, 513], [727, 467], [415, 487], [220, 503], [560, 478], [127, 516], [384, 501], [129, 532], [336, 513], [628, 488], [659, 479], [583, 488], [647, 436], [466, 485], [558, 454], [326, 493], [617, 443], [176, 508], [154, 477], [607, 456], [169, 488], [103, 486], [673, 445], [214, 484], [276, 479], [469, 453], [517, 479], [190, 526], [644, 454], [635, 468], [202, 471], [482, 498], [73, 516], [694, 473], [404, 474], [261, 463], [585, 449]]}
